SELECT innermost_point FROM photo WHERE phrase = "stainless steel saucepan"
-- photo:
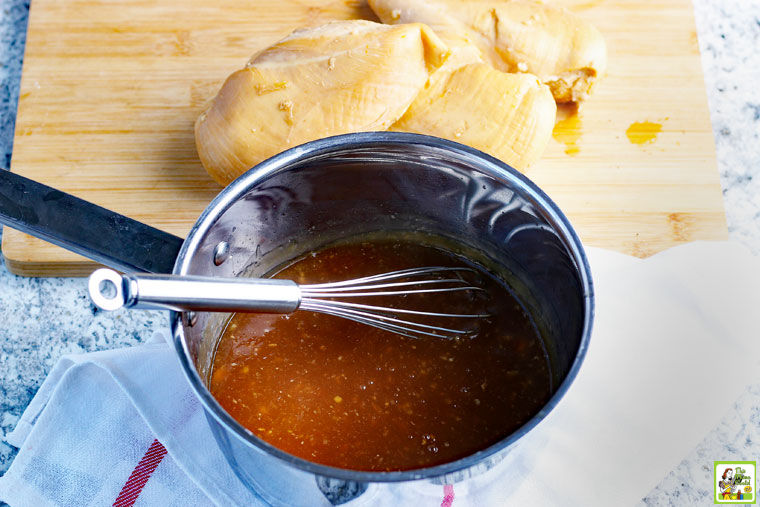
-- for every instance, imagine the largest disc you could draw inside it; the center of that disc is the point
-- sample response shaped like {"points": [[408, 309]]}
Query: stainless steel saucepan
{"points": [[313, 195]]}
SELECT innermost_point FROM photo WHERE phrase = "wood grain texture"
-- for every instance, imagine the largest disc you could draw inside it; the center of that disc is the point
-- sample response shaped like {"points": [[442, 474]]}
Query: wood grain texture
{"points": [[111, 88]]}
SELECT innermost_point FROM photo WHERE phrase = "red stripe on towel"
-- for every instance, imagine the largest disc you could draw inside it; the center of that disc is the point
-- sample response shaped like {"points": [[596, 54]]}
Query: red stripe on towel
{"points": [[448, 495], [140, 475]]}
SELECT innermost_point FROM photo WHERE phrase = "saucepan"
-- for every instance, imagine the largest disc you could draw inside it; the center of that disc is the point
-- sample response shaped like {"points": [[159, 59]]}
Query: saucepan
{"points": [[318, 193]]}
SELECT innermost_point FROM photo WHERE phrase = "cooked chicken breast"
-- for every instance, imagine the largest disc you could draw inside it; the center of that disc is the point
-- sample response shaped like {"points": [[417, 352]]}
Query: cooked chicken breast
{"points": [[509, 116], [345, 76], [566, 53]]}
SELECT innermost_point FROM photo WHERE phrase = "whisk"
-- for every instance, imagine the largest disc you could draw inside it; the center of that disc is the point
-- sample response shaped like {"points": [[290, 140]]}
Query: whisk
{"points": [[110, 290]]}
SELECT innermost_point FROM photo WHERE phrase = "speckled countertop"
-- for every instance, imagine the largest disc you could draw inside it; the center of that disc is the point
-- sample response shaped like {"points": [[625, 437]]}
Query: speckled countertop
{"points": [[42, 319]]}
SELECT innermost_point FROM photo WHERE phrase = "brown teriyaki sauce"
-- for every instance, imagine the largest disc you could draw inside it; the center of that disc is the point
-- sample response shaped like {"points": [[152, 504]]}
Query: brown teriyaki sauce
{"points": [[347, 395]]}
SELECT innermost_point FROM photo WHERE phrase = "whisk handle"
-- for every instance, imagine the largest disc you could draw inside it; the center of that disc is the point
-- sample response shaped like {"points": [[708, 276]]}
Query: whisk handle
{"points": [[110, 290]]}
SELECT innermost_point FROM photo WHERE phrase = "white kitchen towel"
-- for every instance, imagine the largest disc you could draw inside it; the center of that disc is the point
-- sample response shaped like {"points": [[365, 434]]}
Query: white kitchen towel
{"points": [[673, 335]]}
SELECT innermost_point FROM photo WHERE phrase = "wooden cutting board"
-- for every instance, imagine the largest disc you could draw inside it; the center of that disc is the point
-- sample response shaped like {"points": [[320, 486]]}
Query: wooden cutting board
{"points": [[111, 89]]}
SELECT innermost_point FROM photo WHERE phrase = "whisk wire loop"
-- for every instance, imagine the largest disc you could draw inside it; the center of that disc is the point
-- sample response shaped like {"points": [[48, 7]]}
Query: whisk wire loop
{"points": [[407, 328], [325, 298], [391, 275]]}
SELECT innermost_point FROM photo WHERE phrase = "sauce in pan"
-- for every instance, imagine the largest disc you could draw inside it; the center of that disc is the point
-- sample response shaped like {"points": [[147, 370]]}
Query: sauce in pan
{"points": [[348, 395]]}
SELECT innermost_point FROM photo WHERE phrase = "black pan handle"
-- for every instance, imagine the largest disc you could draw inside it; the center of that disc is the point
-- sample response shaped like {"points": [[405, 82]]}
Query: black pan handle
{"points": [[85, 228]]}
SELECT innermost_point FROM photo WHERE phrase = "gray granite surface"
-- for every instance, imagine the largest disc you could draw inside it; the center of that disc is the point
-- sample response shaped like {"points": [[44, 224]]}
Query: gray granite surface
{"points": [[729, 38], [42, 319]]}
